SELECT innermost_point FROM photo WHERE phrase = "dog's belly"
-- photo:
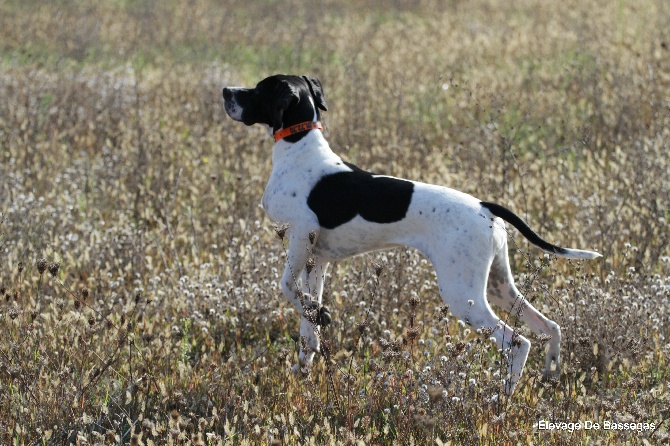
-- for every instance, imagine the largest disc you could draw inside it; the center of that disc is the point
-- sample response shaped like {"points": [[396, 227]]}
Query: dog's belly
{"points": [[438, 219], [356, 237]]}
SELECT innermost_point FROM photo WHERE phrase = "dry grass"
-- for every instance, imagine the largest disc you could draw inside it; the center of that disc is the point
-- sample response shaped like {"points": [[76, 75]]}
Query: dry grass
{"points": [[139, 277]]}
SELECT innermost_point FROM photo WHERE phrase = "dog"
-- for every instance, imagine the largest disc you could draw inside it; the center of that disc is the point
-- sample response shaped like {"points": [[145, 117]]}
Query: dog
{"points": [[336, 210]]}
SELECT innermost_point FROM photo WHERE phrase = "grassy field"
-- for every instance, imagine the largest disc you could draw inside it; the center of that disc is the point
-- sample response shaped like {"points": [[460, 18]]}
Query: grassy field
{"points": [[139, 277]]}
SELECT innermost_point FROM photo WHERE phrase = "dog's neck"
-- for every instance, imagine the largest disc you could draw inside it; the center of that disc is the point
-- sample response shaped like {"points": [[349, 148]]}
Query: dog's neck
{"points": [[312, 143], [298, 121], [306, 141]]}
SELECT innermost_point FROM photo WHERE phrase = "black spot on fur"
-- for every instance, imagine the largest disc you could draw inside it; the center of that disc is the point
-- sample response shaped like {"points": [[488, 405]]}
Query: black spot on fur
{"points": [[339, 197]]}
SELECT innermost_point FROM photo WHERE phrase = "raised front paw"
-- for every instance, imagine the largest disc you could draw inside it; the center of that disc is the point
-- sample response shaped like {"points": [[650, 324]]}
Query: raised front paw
{"points": [[324, 317], [549, 375], [301, 368], [317, 316]]}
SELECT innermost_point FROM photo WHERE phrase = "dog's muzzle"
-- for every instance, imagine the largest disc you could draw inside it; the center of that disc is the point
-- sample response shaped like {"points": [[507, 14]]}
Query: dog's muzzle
{"points": [[230, 104]]}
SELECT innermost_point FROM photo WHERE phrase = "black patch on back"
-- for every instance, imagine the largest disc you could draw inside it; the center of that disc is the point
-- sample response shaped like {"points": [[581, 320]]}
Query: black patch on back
{"points": [[339, 197]]}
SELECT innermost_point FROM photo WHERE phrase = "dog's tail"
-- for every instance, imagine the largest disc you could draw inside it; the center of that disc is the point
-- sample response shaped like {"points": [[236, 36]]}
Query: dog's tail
{"points": [[524, 229]]}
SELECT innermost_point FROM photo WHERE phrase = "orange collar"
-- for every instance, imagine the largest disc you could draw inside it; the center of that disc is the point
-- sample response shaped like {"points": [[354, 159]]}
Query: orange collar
{"points": [[302, 127]]}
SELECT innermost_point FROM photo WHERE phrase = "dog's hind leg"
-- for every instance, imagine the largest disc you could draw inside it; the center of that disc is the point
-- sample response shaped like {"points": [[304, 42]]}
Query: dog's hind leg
{"points": [[463, 287], [505, 295]]}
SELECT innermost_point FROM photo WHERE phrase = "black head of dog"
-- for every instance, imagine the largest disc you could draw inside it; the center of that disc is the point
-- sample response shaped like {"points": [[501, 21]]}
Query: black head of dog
{"points": [[278, 101]]}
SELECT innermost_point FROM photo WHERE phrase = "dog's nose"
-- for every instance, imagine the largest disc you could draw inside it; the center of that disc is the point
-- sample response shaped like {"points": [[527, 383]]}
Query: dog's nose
{"points": [[227, 94]]}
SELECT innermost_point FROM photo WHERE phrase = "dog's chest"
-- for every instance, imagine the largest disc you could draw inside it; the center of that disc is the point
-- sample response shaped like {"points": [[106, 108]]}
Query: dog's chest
{"points": [[284, 195], [295, 172]]}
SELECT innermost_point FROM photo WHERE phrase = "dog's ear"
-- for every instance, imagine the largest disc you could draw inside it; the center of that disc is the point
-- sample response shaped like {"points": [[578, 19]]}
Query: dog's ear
{"points": [[317, 92], [285, 95]]}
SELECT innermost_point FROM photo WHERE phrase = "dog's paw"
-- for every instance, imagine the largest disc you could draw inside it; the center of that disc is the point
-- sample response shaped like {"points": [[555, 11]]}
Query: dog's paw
{"points": [[301, 369], [314, 314], [324, 317], [551, 377]]}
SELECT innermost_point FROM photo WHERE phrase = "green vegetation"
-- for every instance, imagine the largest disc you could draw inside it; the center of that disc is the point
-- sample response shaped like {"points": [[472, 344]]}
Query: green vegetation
{"points": [[138, 276]]}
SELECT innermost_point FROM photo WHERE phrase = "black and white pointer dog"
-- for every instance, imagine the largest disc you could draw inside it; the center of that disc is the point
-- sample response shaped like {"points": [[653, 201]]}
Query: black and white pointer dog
{"points": [[335, 210]]}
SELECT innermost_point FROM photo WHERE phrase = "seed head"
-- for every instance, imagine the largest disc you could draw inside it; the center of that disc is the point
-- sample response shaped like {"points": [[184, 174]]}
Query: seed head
{"points": [[280, 230], [85, 293], [430, 422], [487, 331], [310, 265], [122, 339], [53, 268], [458, 349], [378, 267], [435, 393], [14, 371], [391, 348], [20, 267], [361, 327], [413, 333], [135, 440], [41, 266]]}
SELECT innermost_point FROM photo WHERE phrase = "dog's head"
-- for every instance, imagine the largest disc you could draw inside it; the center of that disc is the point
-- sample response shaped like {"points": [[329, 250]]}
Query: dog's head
{"points": [[278, 101]]}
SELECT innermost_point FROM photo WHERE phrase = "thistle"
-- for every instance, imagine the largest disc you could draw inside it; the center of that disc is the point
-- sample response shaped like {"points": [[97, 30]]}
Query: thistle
{"points": [[53, 268], [280, 230], [41, 266]]}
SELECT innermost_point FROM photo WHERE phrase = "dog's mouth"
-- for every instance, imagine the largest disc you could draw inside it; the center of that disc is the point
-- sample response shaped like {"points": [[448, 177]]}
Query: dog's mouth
{"points": [[233, 110]]}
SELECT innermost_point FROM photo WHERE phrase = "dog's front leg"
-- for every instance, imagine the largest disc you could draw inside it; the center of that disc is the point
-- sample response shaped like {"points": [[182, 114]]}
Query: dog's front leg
{"points": [[315, 315], [301, 240]]}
